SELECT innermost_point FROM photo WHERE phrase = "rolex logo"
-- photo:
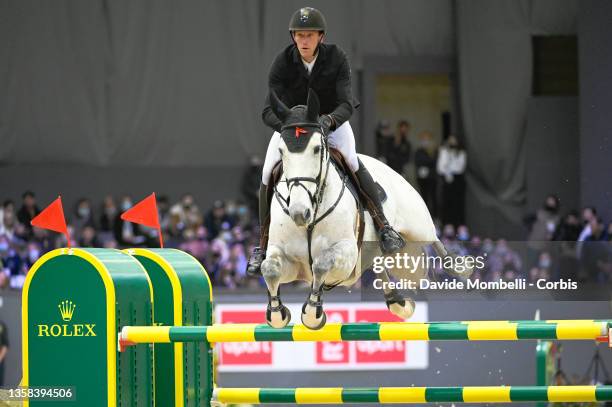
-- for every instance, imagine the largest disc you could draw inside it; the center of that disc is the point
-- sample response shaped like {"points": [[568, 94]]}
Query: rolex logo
{"points": [[66, 308]]}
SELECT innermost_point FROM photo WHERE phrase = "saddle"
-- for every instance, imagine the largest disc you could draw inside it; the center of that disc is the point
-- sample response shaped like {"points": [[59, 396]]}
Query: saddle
{"points": [[338, 161]]}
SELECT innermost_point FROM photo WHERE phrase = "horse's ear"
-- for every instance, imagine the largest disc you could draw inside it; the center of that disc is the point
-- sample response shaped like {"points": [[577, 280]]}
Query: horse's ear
{"points": [[279, 108], [313, 107]]}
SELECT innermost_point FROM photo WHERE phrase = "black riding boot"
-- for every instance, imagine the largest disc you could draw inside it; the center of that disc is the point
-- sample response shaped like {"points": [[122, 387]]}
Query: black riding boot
{"points": [[390, 240], [259, 252]]}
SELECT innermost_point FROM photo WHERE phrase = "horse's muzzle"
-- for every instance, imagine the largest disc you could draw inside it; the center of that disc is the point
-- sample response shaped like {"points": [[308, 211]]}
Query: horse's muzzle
{"points": [[300, 215]]}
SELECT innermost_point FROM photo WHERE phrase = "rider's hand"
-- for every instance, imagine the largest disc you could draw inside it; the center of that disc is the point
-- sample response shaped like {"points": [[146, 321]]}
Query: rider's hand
{"points": [[326, 123]]}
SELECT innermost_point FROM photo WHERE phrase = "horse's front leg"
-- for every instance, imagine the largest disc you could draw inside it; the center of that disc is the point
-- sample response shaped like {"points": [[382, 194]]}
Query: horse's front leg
{"points": [[277, 315], [339, 258]]}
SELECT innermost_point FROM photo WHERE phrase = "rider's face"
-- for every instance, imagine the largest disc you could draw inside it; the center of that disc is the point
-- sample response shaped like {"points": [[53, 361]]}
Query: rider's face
{"points": [[306, 42]]}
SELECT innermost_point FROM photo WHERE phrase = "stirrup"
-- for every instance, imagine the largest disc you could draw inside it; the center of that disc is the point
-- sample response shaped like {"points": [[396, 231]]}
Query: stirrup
{"points": [[390, 240], [254, 265]]}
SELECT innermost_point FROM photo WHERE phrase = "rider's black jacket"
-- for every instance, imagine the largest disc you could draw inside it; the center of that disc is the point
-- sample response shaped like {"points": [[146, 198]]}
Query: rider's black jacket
{"points": [[330, 79]]}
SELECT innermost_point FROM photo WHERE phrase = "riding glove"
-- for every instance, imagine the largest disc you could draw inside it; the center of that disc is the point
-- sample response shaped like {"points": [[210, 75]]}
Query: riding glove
{"points": [[327, 123]]}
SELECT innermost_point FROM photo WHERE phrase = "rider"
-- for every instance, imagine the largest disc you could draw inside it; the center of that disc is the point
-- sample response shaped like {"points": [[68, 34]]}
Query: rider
{"points": [[310, 63]]}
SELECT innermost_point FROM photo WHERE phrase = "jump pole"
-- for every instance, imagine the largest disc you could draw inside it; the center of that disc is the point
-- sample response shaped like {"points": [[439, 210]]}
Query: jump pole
{"points": [[413, 395], [596, 330]]}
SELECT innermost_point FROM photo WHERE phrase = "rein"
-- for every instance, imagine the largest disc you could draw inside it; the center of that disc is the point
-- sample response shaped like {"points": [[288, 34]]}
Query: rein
{"points": [[316, 197]]}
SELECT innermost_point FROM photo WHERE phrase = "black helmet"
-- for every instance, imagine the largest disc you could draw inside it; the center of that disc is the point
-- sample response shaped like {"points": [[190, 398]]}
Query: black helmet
{"points": [[307, 18]]}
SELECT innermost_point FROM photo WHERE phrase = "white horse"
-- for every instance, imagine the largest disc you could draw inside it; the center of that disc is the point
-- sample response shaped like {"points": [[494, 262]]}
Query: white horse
{"points": [[314, 221]]}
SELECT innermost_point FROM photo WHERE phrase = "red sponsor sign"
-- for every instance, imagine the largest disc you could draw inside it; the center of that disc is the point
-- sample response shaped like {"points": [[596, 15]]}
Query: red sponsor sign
{"points": [[244, 353], [379, 351], [329, 353]]}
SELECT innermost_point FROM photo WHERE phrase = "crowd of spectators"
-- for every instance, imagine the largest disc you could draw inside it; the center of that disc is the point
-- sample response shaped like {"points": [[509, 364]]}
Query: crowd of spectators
{"points": [[439, 169], [575, 246], [219, 237]]}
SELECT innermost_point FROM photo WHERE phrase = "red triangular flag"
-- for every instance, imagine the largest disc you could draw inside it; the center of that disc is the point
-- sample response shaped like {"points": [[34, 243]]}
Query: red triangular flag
{"points": [[145, 213], [52, 218]]}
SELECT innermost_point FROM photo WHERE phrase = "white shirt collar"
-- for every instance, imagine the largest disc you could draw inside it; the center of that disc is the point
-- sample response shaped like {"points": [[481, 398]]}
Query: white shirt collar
{"points": [[310, 65]]}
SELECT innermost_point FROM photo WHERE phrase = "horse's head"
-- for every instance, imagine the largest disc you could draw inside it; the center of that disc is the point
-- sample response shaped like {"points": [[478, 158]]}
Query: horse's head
{"points": [[304, 153]]}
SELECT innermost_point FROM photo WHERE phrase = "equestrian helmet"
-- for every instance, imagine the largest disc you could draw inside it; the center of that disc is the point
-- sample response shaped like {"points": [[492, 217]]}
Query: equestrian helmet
{"points": [[307, 19]]}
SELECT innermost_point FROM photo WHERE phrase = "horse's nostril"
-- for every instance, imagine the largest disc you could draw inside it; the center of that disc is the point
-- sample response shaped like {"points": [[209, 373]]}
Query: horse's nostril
{"points": [[306, 214]]}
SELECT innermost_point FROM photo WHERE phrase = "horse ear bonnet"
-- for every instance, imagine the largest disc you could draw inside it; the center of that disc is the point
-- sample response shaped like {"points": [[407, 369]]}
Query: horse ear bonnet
{"points": [[301, 123]]}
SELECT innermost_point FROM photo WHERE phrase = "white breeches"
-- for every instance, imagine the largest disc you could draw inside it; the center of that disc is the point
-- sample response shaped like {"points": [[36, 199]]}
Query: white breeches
{"points": [[341, 139]]}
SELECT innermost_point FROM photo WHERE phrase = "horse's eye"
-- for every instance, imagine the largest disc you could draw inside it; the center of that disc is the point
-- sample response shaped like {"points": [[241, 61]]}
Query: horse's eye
{"points": [[280, 151], [316, 149]]}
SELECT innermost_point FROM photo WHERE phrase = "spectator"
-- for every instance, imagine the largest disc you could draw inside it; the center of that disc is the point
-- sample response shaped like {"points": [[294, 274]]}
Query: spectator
{"points": [[567, 234], [239, 260], [504, 262], [463, 233], [8, 220], [28, 211], [88, 237], [588, 214], [543, 225], [216, 218], [425, 161], [384, 137], [163, 207], [399, 149], [244, 217], [127, 233], [569, 229], [451, 167], [44, 241], [83, 216], [185, 214], [196, 244], [109, 213], [4, 347], [596, 257], [543, 269], [8, 207], [33, 254]]}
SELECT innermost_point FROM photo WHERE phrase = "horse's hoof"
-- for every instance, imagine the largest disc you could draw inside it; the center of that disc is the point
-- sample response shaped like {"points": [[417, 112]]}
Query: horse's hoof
{"points": [[279, 319], [403, 309], [314, 324]]}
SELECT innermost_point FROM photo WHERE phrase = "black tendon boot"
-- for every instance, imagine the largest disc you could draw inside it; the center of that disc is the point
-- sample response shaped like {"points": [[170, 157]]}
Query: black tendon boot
{"points": [[259, 252], [390, 240]]}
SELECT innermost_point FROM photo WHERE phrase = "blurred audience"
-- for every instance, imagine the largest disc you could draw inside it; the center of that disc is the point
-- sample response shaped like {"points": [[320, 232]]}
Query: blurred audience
{"points": [[398, 149], [451, 168], [425, 159], [27, 211], [384, 136], [221, 239]]}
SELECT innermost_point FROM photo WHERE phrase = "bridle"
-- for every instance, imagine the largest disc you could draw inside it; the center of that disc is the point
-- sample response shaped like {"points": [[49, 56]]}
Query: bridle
{"points": [[316, 197], [320, 182]]}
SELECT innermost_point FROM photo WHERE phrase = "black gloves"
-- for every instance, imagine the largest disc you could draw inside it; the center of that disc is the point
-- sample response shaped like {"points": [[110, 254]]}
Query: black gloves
{"points": [[327, 123]]}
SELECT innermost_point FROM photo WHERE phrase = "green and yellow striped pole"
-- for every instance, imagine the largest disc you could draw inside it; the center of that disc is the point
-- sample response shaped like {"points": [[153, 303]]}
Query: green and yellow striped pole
{"points": [[390, 395], [383, 331]]}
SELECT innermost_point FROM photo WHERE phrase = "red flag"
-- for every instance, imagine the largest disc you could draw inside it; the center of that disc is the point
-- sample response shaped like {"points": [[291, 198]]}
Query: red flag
{"points": [[145, 213], [52, 218]]}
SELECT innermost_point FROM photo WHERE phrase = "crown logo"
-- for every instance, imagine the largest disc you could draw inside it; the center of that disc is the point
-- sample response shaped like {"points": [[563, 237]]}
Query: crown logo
{"points": [[66, 308]]}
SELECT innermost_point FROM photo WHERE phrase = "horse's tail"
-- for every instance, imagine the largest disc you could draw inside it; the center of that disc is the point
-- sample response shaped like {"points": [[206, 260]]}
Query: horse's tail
{"points": [[459, 268]]}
